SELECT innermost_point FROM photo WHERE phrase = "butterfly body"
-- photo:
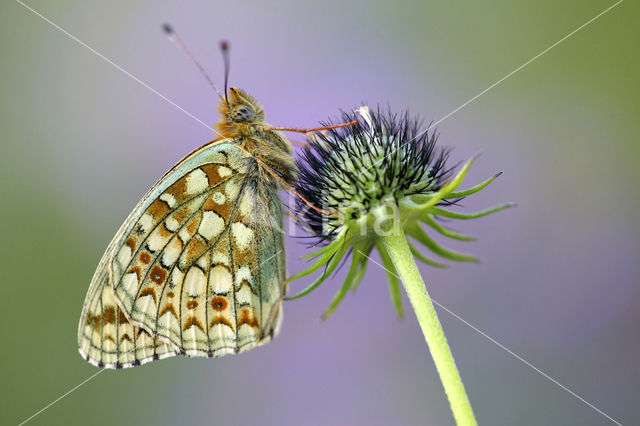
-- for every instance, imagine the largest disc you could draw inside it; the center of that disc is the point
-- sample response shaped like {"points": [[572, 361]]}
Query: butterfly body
{"points": [[198, 267]]}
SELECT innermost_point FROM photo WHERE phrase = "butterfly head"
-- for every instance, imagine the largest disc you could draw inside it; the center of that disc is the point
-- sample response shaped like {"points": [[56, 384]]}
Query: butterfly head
{"points": [[240, 108]]}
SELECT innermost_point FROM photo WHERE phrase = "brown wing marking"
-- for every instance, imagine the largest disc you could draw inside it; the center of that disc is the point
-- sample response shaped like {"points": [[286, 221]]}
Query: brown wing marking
{"points": [[109, 339], [169, 233]]}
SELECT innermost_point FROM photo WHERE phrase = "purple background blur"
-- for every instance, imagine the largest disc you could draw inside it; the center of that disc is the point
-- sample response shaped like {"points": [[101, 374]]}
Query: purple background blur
{"points": [[82, 142]]}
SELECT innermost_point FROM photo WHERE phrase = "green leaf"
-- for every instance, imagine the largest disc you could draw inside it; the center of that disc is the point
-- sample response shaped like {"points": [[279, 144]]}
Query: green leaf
{"points": [[344, 289], [415, 231], [333, 263], [335, 245], [394, 282], [455, 215], [448, 187], [425, 259], [443, 230], [475, 189], [363, 267]]}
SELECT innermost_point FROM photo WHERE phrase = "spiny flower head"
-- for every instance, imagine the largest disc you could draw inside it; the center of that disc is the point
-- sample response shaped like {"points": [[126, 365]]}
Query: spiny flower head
{"points": [[384, 168], [354, 171]]}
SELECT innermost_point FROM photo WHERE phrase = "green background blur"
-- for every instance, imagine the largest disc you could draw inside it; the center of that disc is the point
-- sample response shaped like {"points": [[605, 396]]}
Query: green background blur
{"points": [[559, 286]]}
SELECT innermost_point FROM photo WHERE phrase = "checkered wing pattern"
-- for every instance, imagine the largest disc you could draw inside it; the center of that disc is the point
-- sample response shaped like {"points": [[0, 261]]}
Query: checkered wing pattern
{"points": [[197, 268]]}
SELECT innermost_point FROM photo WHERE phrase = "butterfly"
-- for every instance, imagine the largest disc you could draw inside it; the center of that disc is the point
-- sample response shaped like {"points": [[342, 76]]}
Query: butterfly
{"points": [[198, 267]]}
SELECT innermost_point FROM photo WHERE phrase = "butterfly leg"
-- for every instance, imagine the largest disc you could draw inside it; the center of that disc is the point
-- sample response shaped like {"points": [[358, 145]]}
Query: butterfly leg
{"points": [[314, 129], [291, 189]]}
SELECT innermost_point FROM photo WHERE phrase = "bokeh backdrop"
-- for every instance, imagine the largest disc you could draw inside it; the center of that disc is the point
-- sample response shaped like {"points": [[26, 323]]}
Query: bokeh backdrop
{"points": [[559, 285]]}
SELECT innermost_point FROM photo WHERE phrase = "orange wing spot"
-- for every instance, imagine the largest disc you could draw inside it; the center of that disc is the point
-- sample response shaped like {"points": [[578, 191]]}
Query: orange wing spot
{"points": [[125, 337], [131, 242], [181, 215], [178, 189], [212, 173], [220, 320], [242, 257], [209, 204], [247, 317], [192, 226], [148, 291], [169, 308], [122, 318], [135, 269], [194, 249], [96, 322], [192, 304], [163, 231], [219, 303], [158, 209], [89, 319], [190, 322], [222, 209], [109, 337], [145, 257], [170, 294], [109, 315], [158, 274]]}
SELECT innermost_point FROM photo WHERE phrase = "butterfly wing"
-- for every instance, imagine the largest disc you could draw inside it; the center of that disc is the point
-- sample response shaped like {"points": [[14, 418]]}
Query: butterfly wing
{"points": [[194, 266], [109, 339]]}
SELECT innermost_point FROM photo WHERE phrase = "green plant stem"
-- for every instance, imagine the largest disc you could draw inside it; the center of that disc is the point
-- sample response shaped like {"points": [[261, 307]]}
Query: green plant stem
{"points": [[398, 248]]}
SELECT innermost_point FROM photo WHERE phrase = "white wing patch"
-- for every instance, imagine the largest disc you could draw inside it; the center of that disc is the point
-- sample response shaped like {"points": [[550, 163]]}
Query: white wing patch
{"points": [[211, 226], [242, 234], [197, 181], [220, 280]]}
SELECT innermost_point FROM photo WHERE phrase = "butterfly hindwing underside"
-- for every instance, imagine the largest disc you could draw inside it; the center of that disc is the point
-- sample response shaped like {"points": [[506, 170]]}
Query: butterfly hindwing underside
{"points": [[197, 269]]}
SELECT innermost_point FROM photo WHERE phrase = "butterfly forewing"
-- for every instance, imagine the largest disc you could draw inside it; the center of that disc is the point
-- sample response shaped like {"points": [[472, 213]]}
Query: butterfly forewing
{"points": [[197, 268]]}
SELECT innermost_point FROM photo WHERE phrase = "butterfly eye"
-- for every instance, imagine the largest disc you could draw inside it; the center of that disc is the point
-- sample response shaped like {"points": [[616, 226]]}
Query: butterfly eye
{"points": [[242, 113]]}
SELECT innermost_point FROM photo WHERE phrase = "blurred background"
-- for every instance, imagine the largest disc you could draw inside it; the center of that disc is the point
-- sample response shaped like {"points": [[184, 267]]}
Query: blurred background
{"points": [[82, 142]]}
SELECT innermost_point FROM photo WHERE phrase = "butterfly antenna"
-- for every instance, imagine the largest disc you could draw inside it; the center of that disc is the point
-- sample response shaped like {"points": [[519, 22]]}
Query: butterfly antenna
{"points": [[173, 37], [224, 47]]}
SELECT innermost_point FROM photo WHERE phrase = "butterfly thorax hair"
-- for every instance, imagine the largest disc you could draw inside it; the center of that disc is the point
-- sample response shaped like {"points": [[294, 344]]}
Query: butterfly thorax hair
{"points": [[243, 121]]}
